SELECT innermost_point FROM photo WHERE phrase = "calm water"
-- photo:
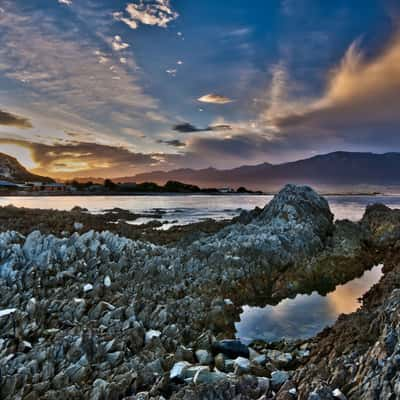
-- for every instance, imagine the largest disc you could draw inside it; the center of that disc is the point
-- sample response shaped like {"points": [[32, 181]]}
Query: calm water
{"points": [[305, 315], [187, 209]]}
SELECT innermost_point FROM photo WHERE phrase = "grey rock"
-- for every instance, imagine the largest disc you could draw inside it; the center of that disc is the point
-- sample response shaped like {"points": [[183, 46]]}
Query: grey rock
{"points": [[242, 365], [178, 370], [207, 377], [278, 378], [203, 357]]}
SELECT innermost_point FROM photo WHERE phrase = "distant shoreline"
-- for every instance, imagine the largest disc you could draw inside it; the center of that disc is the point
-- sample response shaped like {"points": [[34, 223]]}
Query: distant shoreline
{"points": [[169, 194]]}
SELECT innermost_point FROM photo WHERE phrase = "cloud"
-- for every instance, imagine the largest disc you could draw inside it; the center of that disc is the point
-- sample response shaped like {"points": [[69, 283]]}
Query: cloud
{"points": [[156, 117], [171, 71], [72, 158], [65, 2], [361, 94], [118, 44], [38, 54], [215, 99], [8, 119], [155, 13], [240, 32], [187, 127], [173, 143]]}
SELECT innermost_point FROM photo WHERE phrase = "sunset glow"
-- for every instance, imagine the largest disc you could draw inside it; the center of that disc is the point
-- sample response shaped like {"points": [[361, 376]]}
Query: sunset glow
{"points": [[167, 84]]}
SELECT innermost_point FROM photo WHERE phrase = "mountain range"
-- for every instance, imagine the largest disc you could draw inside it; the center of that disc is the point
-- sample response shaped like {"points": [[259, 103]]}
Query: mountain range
{"points": [[337, 171], [11, 170], [334, 171]]}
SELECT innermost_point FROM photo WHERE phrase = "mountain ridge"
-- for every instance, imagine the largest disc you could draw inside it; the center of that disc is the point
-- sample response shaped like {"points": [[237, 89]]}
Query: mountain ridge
{"points": [[335, 169], [11, 170]]}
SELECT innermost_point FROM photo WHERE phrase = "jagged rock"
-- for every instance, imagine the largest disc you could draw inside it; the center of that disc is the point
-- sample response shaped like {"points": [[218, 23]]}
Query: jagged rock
{"points": [[278, 378], [149, 306]]}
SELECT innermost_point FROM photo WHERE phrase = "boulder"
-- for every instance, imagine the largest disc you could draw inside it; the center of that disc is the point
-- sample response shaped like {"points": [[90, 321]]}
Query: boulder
{"points": [[231, 348]]}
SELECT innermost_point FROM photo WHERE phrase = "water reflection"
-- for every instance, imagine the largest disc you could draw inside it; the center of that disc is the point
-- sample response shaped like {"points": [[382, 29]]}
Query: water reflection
{"points": [[193, 208], [305, 315]]}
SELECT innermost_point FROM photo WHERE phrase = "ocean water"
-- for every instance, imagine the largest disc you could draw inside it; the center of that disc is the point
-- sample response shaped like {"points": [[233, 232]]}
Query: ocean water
{"points": [[184, 209]]}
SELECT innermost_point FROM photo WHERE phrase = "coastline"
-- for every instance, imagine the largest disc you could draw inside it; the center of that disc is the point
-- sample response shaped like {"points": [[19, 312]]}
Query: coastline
{"points": [[170, 194]]}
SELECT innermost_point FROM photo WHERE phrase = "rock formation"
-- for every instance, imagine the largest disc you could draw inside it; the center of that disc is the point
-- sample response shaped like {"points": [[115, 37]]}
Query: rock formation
{"points": [[100, 316]]}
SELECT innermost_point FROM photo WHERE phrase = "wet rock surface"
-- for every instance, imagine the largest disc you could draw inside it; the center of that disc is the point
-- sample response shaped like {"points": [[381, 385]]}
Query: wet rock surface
{"points": [[64, 223], [103, 316]]}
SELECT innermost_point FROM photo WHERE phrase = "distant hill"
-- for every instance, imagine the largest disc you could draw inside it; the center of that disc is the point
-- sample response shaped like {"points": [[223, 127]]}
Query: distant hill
{"points": [[347, 171], [11, 170]]}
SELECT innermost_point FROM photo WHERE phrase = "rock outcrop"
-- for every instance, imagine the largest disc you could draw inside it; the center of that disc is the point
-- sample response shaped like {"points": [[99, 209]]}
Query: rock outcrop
{"points": [[100, 316]]}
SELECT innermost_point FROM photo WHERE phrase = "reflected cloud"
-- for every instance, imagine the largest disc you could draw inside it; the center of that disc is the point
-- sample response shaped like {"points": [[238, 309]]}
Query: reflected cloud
{"points": [[305, 315]]}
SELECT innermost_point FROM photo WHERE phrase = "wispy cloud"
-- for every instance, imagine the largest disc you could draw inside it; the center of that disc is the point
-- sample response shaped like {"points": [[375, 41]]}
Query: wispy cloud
{"points": [[65, 2], [172, 142], [187, 127], [39, 55], [360, 93], [118, 44], [215, 99], [156, 13], [9, 119]]}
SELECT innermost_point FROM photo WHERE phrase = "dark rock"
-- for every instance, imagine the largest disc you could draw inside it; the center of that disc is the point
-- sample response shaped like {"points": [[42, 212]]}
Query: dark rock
{"points": [[231, 348]]}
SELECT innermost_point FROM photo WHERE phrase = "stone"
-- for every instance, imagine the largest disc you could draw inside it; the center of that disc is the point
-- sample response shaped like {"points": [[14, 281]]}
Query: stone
{"points": [[219, 362], [280, 359], [278, 378], [7, 312], [88, 287], [231, 348], [242, 365], [99, 391], [107, 281], [207, 377], [203, 357], [78, 226], [260, 360], [115, 358], [337, 394], [155, 367], [190, 372], [178, 370], [150, 335]]}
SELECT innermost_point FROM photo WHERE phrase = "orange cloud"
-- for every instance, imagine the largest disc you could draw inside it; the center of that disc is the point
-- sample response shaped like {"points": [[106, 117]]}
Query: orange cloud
{"points": [[359, 92]]}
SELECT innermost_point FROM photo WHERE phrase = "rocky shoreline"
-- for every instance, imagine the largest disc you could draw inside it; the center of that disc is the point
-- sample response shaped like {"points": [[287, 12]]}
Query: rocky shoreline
{"points": [[118, 314]]}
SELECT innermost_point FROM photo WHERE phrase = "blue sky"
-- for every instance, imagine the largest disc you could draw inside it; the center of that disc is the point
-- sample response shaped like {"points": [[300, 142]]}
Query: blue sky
{"points": [[111, 88]]}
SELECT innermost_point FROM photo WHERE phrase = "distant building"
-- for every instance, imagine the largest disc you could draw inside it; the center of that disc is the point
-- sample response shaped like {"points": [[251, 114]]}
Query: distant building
{"points": [[95, 188], [6, 186], [47, 187], [226, 190]]}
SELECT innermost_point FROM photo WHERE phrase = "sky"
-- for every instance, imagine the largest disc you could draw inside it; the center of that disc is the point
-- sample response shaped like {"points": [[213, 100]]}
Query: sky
{"points": [[109, 88]]}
